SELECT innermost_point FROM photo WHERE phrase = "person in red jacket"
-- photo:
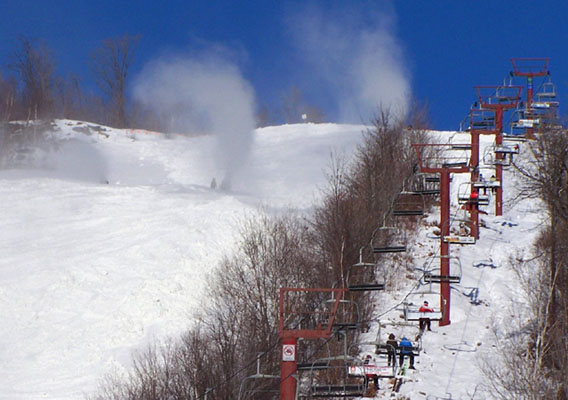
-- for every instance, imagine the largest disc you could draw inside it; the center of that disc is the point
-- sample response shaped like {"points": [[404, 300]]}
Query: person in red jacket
{"points": [[424, 322]]}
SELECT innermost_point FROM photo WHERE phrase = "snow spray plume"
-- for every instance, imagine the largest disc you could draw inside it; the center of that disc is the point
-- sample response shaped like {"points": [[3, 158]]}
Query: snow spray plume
{"points": [[357, 55], [206, 95]]}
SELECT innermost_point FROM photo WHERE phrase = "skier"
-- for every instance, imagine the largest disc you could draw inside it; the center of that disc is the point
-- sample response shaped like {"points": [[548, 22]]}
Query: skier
{"points": [[405, 347], [392, 350], [424, 322]]}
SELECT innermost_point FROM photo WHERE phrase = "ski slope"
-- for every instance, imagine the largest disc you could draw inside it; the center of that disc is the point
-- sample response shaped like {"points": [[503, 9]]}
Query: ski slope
{"points": [[484, 303], [107, 242], [91, 271]]}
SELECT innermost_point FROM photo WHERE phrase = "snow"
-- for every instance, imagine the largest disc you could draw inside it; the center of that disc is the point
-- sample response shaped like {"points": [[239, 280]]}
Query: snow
{"points": [[109, 247], [91, 271]]}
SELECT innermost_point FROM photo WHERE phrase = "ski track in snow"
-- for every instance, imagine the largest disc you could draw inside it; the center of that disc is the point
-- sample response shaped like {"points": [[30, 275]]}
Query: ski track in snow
{"points": [[91, 272]]}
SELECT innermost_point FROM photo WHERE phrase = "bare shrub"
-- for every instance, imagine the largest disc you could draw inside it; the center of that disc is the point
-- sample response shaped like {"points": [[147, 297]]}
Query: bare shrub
{"points": [[535, 364]]}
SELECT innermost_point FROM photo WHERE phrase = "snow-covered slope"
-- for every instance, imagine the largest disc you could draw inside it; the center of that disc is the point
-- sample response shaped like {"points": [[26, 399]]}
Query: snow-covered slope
{"points": [[109, 247], [90, 270], [449, 365]]}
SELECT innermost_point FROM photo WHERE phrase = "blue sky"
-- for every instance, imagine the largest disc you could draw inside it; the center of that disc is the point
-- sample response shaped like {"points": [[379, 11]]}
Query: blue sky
{"points": [[438, 50]]}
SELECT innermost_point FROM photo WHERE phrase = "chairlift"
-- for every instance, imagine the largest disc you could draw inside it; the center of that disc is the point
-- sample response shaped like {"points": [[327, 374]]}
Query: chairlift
{"points": [[504, 149], [431, 178], [408, 204], [506, 94], [335, 380], [269, 391], [481, 119], [424, 184], [417, 297], [465, 197], [547, 91], [492, 157], [485, 184], [318, 363], [434, 275], [389, 239], [460, 233], [377, 365], [347, 316], [361, 277], [461, 146]]}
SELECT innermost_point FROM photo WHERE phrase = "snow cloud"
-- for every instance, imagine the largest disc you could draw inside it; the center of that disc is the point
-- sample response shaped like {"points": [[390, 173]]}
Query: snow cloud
{"points": [[204, 94], [356, 54]]}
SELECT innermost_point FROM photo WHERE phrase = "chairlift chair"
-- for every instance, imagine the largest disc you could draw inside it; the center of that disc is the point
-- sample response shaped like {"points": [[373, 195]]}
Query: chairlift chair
{"points": [[389, 239], [347, 316], [411, 313], [465, 198], [486, 184], [408, 204], [335, 381], [378, 365], [547, 91], [504, 149], [424, 184], [434, 275], [481, 119], [316, 363], [361, 277], [268, 392], [461, 235]]}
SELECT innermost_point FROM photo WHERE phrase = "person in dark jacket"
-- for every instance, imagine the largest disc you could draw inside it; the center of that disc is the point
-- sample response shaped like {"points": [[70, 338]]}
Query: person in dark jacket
{"points": [[392, 350], [405, 347]]}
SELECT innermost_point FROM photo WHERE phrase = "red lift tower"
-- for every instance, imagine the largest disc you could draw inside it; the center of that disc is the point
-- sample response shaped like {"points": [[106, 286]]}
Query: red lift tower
{"points": [[438, 159], [497, 99], [295, 323], [530, 68], [482, 122]]}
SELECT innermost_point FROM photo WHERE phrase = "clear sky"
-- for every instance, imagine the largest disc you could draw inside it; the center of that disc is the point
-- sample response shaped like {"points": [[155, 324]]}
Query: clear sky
{"points": [[436, 50]]}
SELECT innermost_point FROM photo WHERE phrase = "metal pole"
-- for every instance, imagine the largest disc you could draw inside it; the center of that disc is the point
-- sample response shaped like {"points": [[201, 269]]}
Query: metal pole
{"points": [[288, 368], [474, 165], [444, 246], [499, 158]]}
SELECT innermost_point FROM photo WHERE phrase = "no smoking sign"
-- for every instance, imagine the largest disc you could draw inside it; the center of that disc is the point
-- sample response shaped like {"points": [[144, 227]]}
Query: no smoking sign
{"points": [[288, 352]]}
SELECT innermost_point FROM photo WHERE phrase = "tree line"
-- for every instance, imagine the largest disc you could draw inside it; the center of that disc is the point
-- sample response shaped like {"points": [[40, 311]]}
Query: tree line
{"points": [[31, 89]]}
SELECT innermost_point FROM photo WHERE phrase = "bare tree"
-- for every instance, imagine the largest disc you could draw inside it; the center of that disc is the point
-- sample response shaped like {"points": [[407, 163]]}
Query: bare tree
{"points": [[8, 96], [111, 64], [35, 68], [535, 364]]}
